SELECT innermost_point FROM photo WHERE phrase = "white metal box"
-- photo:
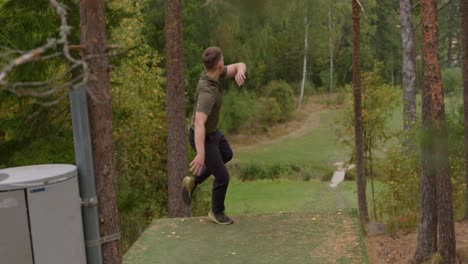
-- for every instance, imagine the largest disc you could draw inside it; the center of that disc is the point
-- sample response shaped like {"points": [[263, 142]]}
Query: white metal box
{"points": [[40, 216]]}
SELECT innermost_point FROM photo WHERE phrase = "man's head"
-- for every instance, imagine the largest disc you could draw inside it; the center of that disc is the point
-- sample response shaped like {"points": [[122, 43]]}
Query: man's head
{"points": [[213, 60]]}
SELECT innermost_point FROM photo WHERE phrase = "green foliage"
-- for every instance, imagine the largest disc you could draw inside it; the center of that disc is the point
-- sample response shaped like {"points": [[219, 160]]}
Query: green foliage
{"points": [[268, 111], [378, 103], [259, 171], [41, 151], [30, 133], [456, 139], [269, 37], [238, 108], [398, 201], [309, 88], [452, 81], [244, 109], [350, 175], [282, 92], [139, 124], [327, 175]]}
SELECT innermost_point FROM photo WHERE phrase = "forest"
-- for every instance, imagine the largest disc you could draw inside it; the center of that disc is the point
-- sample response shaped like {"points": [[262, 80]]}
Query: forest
{"points": [[381, 86]]}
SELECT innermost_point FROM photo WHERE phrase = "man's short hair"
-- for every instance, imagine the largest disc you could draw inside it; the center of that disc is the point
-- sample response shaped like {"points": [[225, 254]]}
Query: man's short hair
{"points": [[211, 56]]}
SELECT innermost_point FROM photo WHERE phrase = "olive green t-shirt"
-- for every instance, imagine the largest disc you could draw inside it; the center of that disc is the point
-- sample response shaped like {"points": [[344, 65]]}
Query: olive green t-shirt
{"points": [[208, 100]]}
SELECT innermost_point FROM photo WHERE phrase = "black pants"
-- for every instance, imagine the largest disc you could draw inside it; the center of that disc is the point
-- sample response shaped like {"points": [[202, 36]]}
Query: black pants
{"points": [[217, 153]]}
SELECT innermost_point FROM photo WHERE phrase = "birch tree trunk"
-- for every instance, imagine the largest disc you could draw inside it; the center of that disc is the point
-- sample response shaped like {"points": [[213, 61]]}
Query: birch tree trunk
{"points": [[304, 71], [409, 70]]}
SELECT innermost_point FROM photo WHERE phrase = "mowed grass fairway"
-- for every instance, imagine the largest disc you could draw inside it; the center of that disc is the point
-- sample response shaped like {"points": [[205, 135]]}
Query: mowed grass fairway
{"points": [[315, 144], [274, 196], [290, 238]]}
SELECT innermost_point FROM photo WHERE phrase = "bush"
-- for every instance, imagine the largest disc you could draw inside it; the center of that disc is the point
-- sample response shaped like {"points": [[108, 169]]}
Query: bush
{"points": [[400, 198], [340, 98], [452, 80], [258, 171], [350, 175], [306, 175], [327, 175], [267, 111], [309, 88], [244, 109], [325, 77], [238, 108], [282, 92], [43, 151], [252, 171], [398, 202]]}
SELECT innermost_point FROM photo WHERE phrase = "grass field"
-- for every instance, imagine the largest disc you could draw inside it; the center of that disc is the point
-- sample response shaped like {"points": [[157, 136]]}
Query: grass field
{"points": [[274, 196], [316, 147], [292, 238]]}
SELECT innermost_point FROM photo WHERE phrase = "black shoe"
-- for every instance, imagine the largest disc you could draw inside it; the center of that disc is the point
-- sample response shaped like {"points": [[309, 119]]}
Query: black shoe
{"points": [[188, 186], [220, 218]]}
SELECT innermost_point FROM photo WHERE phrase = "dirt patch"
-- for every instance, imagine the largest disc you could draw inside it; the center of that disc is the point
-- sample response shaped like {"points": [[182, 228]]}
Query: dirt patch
{"points": [[340, 244], [400, 248]]}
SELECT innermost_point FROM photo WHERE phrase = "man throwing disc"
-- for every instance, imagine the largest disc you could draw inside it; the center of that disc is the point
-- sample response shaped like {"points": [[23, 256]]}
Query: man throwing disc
{"points": [[213, 149]]}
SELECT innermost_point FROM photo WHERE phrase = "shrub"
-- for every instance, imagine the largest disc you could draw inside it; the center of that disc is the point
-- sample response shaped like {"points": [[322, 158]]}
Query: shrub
{"points": [[238, 108], [350, 175], [340, 98], [283, 93], [252, 171], [398, 202], [452, 80], [399, 199], [325, 78], [327, 175], [41, 151], [259, 171], [309, 88], [268, 111], [245, 109]]}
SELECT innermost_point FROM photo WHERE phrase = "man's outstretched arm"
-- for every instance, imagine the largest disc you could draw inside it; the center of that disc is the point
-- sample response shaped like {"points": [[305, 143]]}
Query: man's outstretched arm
{"points": [[237, 71], [198, 163]]}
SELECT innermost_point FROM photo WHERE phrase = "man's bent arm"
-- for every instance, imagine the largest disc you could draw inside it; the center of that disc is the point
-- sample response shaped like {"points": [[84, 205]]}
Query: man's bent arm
{"points": [[237, 71], [198, 162]]}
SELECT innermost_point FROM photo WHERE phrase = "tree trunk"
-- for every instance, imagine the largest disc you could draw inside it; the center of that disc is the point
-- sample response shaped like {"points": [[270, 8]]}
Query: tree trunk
{"points": [[409, 70], [304, 71], [330, 26], [436, 195], [94, 41], [358, 125], [177, 162], [449, 48], [464, 61], [452, 31]]}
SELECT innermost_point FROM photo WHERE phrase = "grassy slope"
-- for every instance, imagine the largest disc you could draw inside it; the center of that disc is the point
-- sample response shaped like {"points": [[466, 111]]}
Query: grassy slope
{"points": [[318, 147], [317, 150]]}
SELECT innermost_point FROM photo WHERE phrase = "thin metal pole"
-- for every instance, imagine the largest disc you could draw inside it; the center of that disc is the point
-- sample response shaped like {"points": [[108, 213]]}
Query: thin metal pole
{"points": [[87, 183]]}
